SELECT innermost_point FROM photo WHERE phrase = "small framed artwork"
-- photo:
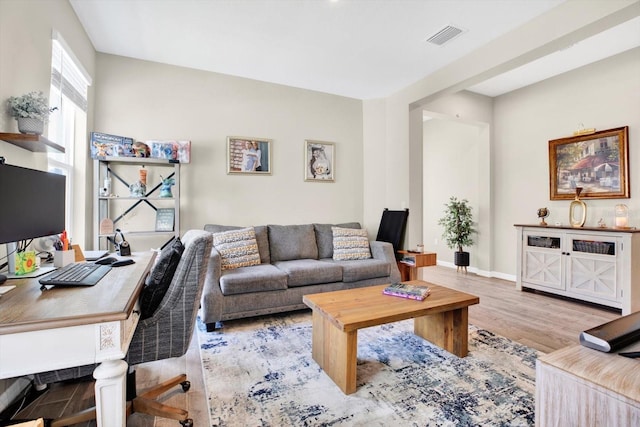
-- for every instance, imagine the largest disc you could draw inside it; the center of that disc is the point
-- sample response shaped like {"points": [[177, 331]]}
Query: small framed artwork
{"points": [[165, 218], [246, 155], [597, 162], [320, 161]]}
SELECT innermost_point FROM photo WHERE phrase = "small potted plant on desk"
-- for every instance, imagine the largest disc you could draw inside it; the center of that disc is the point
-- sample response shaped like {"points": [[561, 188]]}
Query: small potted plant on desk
{"points": [[458, 229], [31, 111]]}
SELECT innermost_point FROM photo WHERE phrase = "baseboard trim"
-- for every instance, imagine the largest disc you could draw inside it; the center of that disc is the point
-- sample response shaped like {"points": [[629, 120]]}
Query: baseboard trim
{"points": [[483, 273]]}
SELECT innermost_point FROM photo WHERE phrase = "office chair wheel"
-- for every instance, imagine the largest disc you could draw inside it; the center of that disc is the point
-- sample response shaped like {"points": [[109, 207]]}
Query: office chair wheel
{"points": [[186, 385], [187, 423]]}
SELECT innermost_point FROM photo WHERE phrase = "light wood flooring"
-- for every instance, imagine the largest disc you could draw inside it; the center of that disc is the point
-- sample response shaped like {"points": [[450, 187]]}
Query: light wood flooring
{"points": [[543, 322]]}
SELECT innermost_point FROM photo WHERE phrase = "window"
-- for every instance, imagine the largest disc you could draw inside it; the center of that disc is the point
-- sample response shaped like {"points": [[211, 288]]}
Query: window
{"points": [[68, 122]]}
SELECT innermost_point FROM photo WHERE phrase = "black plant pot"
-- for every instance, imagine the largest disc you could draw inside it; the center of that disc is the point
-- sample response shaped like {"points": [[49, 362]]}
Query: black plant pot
{"points": [[461, 259]]}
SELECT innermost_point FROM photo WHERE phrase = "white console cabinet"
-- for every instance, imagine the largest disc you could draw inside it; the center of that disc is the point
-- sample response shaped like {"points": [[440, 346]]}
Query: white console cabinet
{"points": [[589, 264]]}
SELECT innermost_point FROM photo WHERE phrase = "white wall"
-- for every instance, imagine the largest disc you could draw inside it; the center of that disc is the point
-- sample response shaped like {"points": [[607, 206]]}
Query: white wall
{"points": [[451, 164], [562, 26], [460, 132], [147, 100], [25, 66], [603, 95]]}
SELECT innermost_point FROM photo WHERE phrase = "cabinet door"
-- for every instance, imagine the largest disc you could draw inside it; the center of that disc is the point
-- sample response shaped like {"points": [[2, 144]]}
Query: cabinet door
{"points": [[542, 262], [592, 268]]}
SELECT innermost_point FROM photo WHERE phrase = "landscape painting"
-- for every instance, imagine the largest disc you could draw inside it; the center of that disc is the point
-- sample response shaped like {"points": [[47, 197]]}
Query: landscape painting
{"points": [[597, 162]]}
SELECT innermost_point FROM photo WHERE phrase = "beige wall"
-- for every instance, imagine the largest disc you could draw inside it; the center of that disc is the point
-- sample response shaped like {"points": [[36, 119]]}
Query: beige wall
{"points": [[147, 100], [603, 95], [25, 56], [26, 28], [562, 26], [460, 132], [25, 65]]}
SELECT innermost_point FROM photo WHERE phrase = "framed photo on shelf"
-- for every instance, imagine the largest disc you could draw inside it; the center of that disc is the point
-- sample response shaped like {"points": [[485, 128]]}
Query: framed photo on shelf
{"points": [[247, 155], [597, 162], [320, 161], [165, 219]]}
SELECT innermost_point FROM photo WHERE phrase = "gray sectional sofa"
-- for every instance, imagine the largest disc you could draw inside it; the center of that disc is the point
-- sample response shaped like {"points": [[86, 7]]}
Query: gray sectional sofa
{"points": [[295, 260]]}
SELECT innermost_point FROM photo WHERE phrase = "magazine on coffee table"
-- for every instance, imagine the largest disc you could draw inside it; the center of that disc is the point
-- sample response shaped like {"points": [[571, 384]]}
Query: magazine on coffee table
{"points": [[407, 290]]}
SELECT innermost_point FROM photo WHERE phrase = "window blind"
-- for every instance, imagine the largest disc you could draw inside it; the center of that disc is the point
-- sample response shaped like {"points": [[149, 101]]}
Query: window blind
{"points": [[67, 77]]}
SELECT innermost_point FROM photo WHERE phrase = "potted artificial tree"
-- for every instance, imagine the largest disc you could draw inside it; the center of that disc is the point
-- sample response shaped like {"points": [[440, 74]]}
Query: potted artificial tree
{"points": [[31, 111], [458, 229]]}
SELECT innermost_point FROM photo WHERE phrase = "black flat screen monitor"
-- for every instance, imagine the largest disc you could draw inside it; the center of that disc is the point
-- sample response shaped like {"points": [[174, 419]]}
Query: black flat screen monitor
{"points": [[33, 203]]}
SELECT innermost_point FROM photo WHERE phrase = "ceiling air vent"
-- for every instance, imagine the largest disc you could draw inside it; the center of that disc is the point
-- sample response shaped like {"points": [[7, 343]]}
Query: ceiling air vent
{"points": [[444, 35]]}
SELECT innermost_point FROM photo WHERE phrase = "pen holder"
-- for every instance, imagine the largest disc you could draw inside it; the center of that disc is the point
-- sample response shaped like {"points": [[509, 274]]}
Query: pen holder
{"points": [[62, 258]]}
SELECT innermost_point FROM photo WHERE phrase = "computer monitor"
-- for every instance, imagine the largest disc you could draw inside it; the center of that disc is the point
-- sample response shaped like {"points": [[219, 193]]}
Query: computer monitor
{"points": [[33, 204]]}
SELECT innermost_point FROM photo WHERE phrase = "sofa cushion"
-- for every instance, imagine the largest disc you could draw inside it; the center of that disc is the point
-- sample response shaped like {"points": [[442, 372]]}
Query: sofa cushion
{"points": [[302, 272], [287, 242], [349, 243], [324, 237], [238, 248], [262, 237], [257, 278], [355, 270]]}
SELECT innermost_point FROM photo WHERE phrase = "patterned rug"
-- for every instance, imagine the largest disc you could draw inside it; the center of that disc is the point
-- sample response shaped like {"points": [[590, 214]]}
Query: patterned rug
{"points": [[259, 372]]}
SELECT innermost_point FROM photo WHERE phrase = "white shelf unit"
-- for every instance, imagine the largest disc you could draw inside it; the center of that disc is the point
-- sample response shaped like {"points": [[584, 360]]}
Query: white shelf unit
{"points": [[589, 264], [118, 207]]}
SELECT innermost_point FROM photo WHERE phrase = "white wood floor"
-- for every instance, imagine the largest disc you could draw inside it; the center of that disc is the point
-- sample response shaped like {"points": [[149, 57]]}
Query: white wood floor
{"points": [[543, 322]]}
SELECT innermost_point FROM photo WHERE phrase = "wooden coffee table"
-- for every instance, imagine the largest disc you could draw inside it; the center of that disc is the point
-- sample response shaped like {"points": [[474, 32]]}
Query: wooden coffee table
{"points": [[442, 318]]}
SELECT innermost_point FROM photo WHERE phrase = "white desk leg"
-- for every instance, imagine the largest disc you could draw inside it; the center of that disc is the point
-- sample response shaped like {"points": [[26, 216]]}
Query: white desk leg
{"points": [[111, 381]]}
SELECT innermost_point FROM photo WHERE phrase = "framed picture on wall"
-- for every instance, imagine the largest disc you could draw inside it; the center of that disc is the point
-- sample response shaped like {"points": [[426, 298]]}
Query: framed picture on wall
{"points": [[320, 161], [597, 162], [248, 155]]}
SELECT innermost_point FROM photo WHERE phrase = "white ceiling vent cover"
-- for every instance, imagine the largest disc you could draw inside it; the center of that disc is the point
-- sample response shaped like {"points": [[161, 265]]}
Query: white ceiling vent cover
{"points": [[444, 35]]}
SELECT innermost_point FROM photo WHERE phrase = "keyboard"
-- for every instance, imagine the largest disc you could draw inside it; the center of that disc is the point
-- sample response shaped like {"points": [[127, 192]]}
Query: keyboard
{"points": [[77, 274]]}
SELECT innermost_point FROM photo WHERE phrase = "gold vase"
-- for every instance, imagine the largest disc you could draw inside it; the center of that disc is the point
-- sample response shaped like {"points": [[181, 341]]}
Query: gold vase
{"points": [[577, 211]]}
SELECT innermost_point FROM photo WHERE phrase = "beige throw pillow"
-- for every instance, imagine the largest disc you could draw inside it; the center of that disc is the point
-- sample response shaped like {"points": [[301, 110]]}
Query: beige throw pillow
{"points": [[238, 248], [350, 244]]}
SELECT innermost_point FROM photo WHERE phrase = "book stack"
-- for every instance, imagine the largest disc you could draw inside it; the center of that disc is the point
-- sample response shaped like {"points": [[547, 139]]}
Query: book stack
{"points": [[407, 290], [409, 260]]}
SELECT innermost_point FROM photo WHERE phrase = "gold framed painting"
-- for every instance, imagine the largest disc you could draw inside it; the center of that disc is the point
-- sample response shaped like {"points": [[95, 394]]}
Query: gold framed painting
{"points": [[248, 155], [320, 161], [597, 162]]}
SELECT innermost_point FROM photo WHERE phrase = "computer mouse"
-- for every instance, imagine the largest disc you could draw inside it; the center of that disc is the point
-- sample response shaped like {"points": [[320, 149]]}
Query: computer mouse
{"points": [[106, 261], [122, 262]]}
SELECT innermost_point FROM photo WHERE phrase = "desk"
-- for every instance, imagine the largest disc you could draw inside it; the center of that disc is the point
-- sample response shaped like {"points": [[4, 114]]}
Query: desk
{"points": [[65, 327]]}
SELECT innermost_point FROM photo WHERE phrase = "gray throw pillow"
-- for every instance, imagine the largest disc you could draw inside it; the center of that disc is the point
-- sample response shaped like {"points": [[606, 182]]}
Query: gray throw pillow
{"points": [[287, 242], [160, 277]]}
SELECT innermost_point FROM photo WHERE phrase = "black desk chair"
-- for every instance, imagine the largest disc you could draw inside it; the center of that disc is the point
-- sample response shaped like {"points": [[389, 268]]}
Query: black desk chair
{"points": [[152, 340], [392, 227]]}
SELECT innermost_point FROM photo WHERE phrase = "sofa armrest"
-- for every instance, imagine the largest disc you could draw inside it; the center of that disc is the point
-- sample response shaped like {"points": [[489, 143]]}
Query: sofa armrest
{"points": [[212, 300], [384, 251], [214, 271]]}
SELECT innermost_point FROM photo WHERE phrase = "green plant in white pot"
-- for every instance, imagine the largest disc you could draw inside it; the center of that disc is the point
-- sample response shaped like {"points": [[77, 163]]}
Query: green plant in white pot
{"points": [[31, 110], [458, 229]]}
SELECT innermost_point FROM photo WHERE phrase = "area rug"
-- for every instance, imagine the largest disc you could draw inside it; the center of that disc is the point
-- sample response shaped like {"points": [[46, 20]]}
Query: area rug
{"points": [[259, 372]]}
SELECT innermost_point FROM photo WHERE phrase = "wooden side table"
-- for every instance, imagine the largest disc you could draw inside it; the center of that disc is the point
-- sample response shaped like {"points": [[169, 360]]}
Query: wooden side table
{"points": [[412, 261]]}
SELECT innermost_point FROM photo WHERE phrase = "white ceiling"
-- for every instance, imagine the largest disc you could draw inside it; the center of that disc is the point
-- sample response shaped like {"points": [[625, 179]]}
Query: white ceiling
{"points": [[357, 48]]}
